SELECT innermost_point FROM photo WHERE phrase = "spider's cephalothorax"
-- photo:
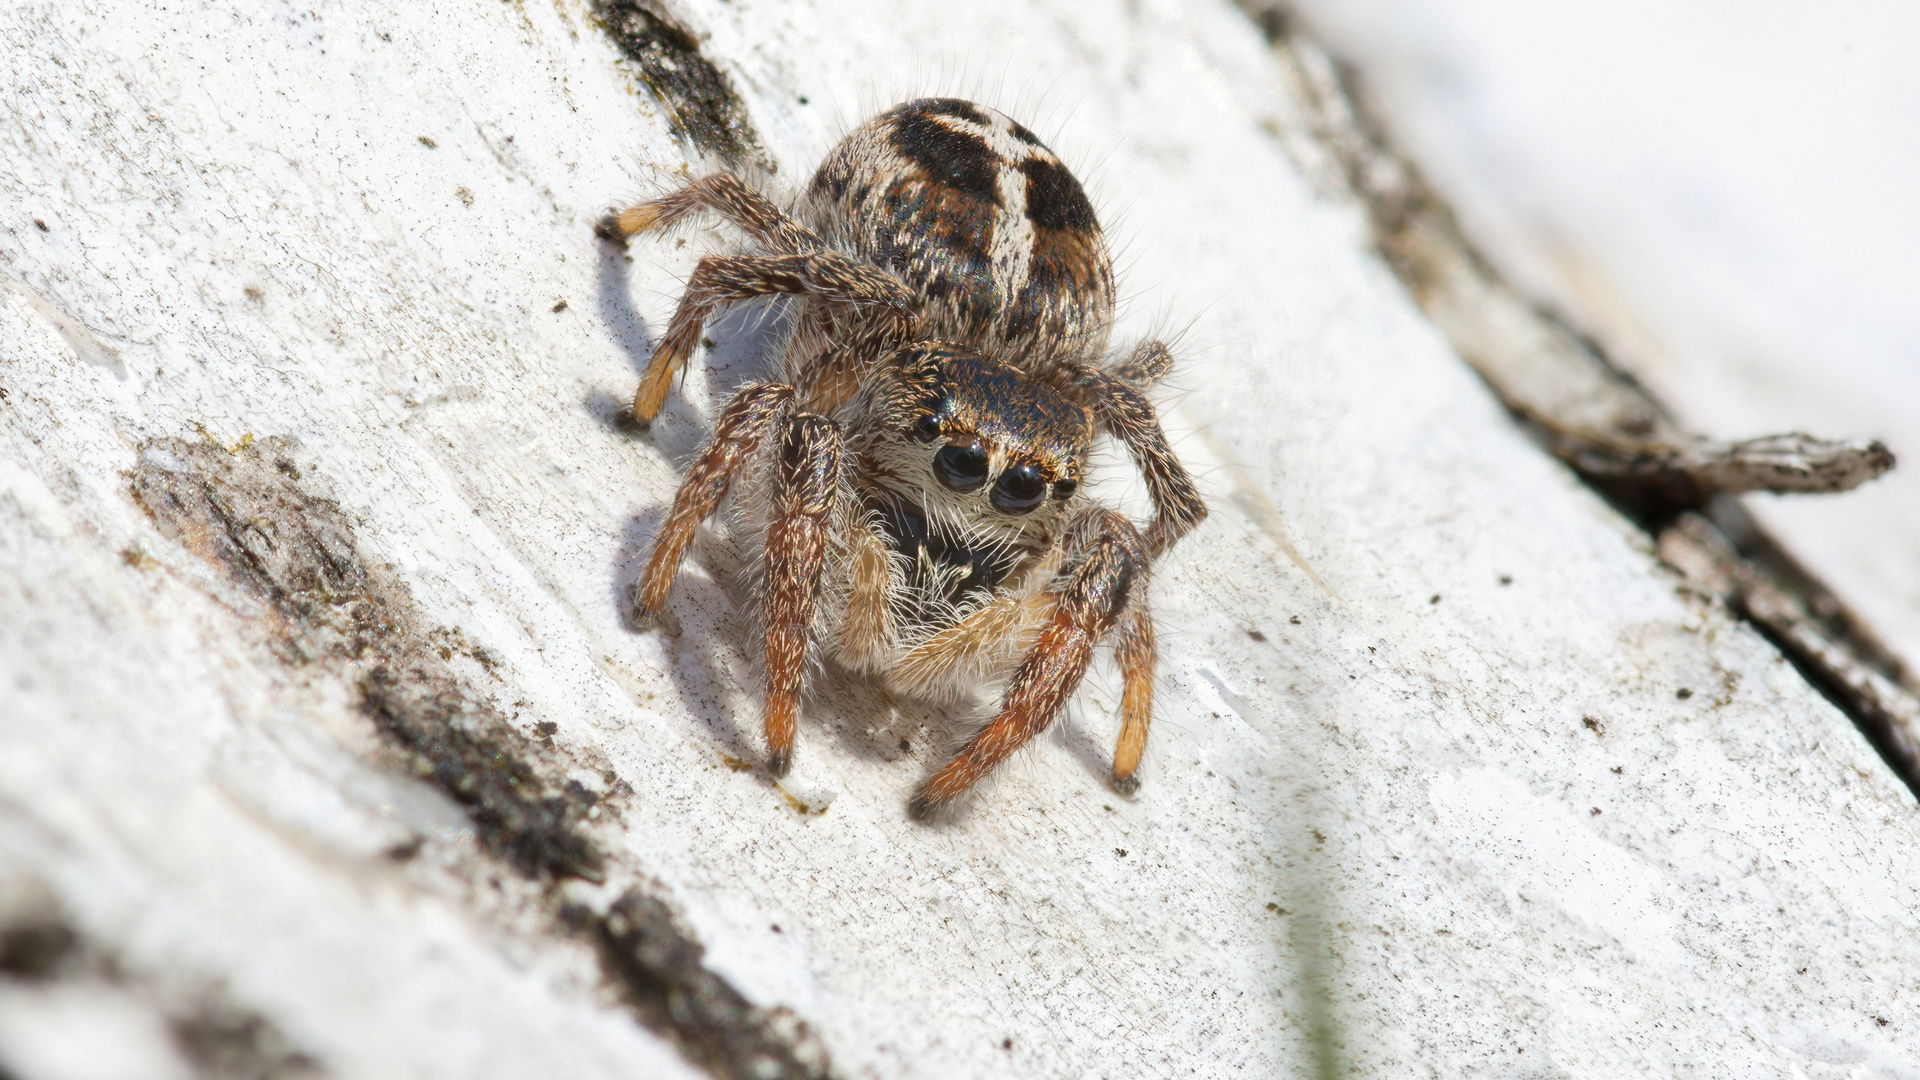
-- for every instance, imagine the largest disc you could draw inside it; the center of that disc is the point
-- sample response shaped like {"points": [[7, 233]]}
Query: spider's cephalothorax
{"points": [[916, 477]]}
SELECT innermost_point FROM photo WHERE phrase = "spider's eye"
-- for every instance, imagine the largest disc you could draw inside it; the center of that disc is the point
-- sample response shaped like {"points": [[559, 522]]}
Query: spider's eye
{"points": [[1063, 488], [926, 428], [1020, 489], [961, 466]]}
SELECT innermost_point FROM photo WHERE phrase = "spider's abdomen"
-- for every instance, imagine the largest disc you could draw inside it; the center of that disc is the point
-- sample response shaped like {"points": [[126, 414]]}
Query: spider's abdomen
{"points": [[982, 221]]}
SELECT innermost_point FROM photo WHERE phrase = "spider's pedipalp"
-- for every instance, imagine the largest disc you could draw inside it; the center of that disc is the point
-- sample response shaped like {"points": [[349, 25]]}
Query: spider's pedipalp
{"points": [[978, 641], [808, 472], [1108, 565], [867, 627]]}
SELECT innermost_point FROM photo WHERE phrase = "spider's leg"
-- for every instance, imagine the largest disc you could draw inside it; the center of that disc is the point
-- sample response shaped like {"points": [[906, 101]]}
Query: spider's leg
{"points": [[1135, 649], [809, 476], [829, 377], [724, 194], [742, 428], [725, 279], [1108, 564], [1147, 364], [1121, 409]]}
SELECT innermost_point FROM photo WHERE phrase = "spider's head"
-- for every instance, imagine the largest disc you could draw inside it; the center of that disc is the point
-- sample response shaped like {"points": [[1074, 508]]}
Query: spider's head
{"points": [[980, 442]]}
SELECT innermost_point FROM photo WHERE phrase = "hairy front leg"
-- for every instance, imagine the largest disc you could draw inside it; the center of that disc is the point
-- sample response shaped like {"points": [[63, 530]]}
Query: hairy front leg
{"points": [[1108, 564], [743, 426], [1146, 365], [1119, 406], [808, 474], [724, 194], [1139, 658], [726, 279]]}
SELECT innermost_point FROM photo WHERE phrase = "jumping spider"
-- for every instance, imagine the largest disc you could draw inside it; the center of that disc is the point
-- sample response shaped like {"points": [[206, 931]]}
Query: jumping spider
{"points": [[915, 479]]}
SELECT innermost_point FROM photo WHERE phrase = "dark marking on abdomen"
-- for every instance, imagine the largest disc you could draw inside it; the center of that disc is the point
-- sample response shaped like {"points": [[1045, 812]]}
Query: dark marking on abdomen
{"points": [[1055, 199], [953, 159], [958, 108]]}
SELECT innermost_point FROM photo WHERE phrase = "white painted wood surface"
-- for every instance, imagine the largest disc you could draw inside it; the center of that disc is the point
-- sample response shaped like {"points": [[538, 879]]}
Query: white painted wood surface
{"points": [[1531, 855]]}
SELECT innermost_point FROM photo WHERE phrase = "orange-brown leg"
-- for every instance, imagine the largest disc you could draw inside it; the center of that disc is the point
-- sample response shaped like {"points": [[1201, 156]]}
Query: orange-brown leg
{"points": [[1122, 410], [1109, 564], [743, 426], [809, 477], [725, 279], [1138, 657], [725, 195]]}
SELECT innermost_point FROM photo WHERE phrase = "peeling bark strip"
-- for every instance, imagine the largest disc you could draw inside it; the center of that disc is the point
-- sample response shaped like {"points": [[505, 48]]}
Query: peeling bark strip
{"points": [[1594, 416], [1889, 718], [699, 98], [247, 512]]}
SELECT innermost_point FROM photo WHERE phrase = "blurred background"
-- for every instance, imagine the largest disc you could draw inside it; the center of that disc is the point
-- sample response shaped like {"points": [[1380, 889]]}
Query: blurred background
{"points": [[1720, 192]]}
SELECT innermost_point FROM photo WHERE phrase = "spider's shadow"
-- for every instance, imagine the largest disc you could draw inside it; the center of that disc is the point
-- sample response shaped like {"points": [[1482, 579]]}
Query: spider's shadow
{"points": [[615, 298], [716, 674], [1074, 730], [865, 720], [703, 666], [743, 343]]}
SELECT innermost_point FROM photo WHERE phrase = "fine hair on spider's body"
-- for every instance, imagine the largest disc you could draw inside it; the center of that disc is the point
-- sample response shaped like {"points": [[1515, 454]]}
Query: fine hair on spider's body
{"points": [[915, 478]]}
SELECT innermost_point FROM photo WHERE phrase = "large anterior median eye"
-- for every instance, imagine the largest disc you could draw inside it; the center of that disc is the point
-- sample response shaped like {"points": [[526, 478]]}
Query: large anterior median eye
{"points": [[1021, 488], [961, 466]]}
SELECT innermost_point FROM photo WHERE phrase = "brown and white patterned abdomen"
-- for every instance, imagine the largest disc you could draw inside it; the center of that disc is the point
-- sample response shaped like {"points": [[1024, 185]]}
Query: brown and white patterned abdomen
{"points": [[981, 220]]}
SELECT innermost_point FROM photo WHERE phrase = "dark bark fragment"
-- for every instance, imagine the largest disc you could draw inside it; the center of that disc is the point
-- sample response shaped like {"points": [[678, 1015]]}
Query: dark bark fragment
{"points": [[253, 513], [700, 102]]}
